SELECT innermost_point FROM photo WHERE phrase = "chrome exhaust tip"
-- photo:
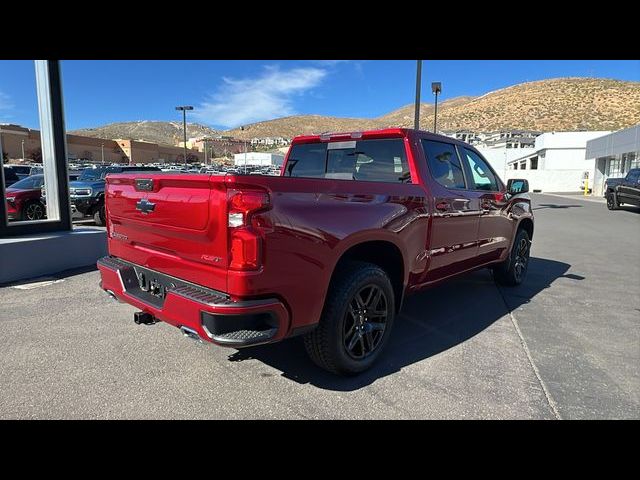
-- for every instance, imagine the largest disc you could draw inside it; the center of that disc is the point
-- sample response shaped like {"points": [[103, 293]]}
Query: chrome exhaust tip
{"points": [[190, 333]]}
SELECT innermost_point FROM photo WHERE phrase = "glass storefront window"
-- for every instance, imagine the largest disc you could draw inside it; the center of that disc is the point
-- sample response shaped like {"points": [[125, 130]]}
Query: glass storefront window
{"points": [[31, 143]]}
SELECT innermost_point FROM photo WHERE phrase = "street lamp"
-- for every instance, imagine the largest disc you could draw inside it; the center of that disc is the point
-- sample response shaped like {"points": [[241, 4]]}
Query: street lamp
{"points": [[102, 150], [416, 120], [184, 109], [436, 88], [245, 152], [23, 150]]}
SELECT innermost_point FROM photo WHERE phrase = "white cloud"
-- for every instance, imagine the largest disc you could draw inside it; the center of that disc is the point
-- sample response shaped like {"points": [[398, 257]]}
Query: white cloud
{"points": [[5, 107], [247, 100], [5, 101]]}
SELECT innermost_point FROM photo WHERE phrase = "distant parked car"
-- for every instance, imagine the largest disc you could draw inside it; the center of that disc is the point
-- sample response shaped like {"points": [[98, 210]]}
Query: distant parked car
{"points": [[24, 199], [623, 190], [10, 176], [24, 171]]}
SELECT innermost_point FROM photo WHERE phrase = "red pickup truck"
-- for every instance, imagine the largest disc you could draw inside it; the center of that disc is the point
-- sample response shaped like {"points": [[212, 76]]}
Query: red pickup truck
{"points": [[328, 249]]}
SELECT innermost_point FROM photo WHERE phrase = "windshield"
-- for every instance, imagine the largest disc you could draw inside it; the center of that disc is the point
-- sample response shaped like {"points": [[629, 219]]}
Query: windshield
{"points": [[92, 174], [30, 183]]}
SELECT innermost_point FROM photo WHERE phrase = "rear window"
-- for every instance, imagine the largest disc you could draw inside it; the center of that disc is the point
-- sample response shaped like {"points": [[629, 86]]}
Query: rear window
{"points": [[381, 160], [444, 163], [21, 170]]}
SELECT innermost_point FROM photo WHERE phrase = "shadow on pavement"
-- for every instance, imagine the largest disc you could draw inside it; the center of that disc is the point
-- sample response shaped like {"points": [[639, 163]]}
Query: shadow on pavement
{"points": [[554, 205], [431, 321]]}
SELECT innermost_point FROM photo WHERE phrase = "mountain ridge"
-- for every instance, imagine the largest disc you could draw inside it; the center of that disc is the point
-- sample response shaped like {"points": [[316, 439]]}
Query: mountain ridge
{"points": [[557, 104]]}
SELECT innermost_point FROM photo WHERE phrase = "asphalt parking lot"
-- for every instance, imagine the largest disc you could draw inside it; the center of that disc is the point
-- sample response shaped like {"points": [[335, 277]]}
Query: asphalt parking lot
{"points": [[566, 344]]}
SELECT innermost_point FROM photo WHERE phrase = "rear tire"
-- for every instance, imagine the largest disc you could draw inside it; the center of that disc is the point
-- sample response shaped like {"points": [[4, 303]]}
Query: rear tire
{"points": [[356, 320], [99, 216], [32, 210], [514, 270]]}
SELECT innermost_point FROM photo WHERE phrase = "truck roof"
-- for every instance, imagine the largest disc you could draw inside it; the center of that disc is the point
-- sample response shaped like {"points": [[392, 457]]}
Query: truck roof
{"points": [[381, 133]]}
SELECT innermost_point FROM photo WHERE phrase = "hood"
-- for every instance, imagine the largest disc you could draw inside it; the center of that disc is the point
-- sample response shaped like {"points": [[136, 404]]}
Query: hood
{"points": [[91, 184], [614, 181]]}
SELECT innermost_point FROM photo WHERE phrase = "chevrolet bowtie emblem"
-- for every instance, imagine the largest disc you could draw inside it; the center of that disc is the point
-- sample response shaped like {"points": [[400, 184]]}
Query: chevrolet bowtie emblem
{"points": [[145, 206]]}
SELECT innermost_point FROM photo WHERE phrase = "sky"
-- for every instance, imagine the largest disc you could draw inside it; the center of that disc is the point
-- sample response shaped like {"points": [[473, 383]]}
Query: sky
{"points": [[227, 94]]}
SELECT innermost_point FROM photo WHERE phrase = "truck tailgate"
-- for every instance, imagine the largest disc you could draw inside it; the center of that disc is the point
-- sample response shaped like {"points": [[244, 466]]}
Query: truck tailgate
{"points": [[173, 223]]}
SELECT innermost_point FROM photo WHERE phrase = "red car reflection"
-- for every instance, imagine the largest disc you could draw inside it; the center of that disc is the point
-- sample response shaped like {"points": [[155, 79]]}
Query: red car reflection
{"points": [[23, 199]]}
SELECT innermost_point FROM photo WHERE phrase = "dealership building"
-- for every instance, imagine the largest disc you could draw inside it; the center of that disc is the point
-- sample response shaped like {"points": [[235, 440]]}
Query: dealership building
{"points": [[556, 163], [612, 156], [261, 159], [20, 142]]}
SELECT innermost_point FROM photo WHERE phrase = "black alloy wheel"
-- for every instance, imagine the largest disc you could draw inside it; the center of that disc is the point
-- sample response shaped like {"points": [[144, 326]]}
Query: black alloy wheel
{"points": [[33, 211], [522, 259], [365, 322]]}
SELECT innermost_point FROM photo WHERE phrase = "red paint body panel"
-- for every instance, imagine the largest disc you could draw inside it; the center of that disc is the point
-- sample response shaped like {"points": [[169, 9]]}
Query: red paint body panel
{"points": [[305, 229], [21, 197]]}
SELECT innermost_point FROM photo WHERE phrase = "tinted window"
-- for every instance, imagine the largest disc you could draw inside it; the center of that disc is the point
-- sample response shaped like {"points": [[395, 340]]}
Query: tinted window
{"points": [[482, 178], [30, 183], [633, 175], [21, 170], [365, 160], [444, 163], [10, 175], [307, 160], [381, 161]]}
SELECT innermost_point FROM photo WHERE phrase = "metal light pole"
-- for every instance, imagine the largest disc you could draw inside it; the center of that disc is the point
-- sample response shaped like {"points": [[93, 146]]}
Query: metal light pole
{"points": [[23, 150], [245, 153], [184, 109], [436, 88], [205, 151], [416, 121], [102, 149]]}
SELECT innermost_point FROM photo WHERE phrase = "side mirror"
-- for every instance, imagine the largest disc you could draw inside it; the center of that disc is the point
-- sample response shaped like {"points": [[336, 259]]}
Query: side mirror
{"points": [[517, 185]]}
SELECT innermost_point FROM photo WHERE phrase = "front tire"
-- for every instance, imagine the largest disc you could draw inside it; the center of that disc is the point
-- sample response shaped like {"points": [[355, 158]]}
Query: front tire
{"points": [[514, 270], [356, 320], [99, 216], [612, 201]]}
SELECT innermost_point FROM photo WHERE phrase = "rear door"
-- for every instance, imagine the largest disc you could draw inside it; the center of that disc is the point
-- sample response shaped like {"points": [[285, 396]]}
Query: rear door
{"points": [[456, 211], [173, 223]]}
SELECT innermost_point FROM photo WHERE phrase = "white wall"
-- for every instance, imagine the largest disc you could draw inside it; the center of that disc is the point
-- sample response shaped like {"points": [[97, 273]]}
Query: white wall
{"points": [[557, 180], [258, 158], [498, 157]]}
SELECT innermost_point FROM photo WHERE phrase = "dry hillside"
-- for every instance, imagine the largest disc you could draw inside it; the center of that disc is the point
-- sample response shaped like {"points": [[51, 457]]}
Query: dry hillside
{"points": [[547, 105], [169, 133]]}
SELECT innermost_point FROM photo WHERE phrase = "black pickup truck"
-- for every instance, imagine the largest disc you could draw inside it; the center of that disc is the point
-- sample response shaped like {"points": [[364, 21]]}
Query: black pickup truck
{"points": [[623, 190]]}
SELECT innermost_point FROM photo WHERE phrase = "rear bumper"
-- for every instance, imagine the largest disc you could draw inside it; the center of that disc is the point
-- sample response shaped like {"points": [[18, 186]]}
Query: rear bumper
{"points": [[213, 315]]}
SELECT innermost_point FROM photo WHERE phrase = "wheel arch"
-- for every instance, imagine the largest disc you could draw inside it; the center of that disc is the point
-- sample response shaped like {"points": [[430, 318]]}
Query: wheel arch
{"points": [[527, 225], [383, 253]]}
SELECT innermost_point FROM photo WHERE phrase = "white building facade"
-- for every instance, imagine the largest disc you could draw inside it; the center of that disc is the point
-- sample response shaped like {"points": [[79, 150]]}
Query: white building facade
{"points": [[260, 159], [556, 163], [612, 156]]}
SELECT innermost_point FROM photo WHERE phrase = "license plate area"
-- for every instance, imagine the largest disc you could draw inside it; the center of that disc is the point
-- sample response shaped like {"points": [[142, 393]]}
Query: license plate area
{"points": [[147, 285]]}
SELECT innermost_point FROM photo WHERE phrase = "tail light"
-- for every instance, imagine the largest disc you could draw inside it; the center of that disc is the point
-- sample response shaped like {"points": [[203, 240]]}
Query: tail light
{"points": [[245, 239]]}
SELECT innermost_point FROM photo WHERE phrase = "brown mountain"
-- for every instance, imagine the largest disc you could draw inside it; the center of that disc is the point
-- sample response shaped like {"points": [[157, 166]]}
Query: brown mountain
{"points": [[169, 133], [546, 105]]}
